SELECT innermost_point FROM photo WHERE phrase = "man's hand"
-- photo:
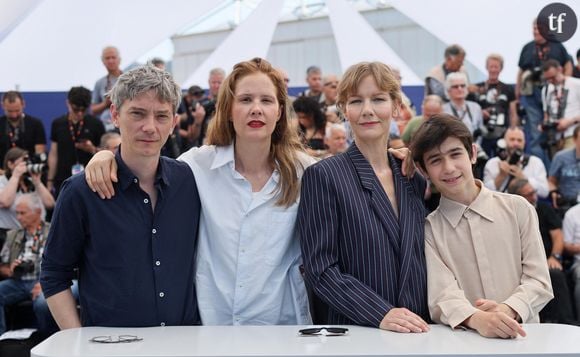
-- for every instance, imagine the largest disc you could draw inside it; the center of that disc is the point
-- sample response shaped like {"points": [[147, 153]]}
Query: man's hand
{"points": [[86, 146], [504, 167], [554, 263], [495, 324], [36, 291], [565, 123], [14, 264], [516, 171], [403, 320], [493, 306], [19, 169]]}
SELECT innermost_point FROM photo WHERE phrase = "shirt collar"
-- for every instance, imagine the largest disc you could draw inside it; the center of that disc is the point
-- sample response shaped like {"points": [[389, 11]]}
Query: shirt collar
{"points": [[482, 205], [225, 155], [126, 177]]}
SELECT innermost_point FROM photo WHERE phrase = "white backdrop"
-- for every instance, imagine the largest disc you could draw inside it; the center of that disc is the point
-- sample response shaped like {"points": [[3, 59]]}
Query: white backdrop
{"points": [[51, 45]]}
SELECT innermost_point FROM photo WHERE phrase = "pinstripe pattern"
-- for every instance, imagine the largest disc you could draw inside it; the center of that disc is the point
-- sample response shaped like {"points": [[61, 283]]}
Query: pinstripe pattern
{"points": [[359, 258]]}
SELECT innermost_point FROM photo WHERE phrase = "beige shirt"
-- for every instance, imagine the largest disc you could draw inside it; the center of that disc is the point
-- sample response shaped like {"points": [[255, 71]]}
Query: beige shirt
{"points": [[491, 249]]}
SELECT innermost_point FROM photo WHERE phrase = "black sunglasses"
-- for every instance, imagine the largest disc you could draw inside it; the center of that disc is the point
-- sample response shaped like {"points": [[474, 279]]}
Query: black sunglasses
{"points": [[331, 331]]}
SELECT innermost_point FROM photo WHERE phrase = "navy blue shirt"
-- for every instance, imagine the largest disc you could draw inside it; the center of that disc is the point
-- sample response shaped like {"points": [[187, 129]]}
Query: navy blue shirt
{"points": [[136, 265]]}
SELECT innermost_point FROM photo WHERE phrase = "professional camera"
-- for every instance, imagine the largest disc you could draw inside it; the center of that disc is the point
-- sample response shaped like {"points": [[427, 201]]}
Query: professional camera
{"points": [[209, 106], [25, 267], [550, 127], [496, 122], [536, 75], [515, 157], [37, 164]]}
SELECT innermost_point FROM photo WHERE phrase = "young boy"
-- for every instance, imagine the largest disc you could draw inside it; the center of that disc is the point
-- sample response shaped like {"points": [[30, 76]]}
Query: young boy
{"points": [[486, 267]]}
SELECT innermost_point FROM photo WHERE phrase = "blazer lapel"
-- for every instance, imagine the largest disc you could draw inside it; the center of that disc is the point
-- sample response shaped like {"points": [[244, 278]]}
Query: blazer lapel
{"points": [[379, 200], [411, 217]]}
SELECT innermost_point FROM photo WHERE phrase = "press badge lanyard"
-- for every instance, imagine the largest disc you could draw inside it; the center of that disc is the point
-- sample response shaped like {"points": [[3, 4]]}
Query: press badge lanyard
{"points": [[14, 132], [74, 135], [466, 111]]}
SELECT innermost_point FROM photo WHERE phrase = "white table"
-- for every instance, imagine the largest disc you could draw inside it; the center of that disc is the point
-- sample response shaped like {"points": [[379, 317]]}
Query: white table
{"points": [[542, 340]]}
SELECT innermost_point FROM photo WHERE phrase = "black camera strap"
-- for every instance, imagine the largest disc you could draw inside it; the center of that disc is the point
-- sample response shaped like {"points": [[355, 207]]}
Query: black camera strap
{"points": [[560, 96]]}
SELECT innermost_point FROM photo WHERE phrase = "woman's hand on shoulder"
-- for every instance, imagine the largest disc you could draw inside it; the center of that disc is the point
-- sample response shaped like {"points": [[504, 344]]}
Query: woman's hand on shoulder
{"points": [[404, 154], [101, 172]]}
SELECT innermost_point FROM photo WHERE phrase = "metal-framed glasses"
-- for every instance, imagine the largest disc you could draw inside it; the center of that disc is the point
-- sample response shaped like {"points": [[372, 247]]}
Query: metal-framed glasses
{"points": [[116, 339]]}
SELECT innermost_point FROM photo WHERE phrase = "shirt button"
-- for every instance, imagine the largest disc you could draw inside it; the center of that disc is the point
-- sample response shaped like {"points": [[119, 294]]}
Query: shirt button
{"points": [[158, 263], [161, 294], [162, 324], [146, 200], [154, 231]]}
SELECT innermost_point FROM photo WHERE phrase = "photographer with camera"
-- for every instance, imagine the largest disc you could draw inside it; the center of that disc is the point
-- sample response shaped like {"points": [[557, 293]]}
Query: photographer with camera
{"points": [[74, 139], [191, 116], [512, 164], [20, 262], [564, 178], [199, 129], [529, 84], [21, 175], [561, 104], [497, 101]]}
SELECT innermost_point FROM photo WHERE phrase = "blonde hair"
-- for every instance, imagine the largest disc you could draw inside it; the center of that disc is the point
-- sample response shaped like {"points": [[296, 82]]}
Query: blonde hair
{"points": [[380, 72], [495, 56], [285, 144]]}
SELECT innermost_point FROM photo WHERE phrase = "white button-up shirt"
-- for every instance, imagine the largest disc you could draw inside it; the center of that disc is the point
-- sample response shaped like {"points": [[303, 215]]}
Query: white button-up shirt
{"points": [[248, 258]]}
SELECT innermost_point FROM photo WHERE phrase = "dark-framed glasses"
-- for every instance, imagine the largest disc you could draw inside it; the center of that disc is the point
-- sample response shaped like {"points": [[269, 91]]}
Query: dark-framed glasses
{"points": [[327, 331], [116, 339]]}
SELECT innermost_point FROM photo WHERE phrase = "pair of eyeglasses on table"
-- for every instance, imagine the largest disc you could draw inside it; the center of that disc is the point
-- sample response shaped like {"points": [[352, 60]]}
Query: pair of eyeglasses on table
{"points": [[116, 339], [323, 331]]}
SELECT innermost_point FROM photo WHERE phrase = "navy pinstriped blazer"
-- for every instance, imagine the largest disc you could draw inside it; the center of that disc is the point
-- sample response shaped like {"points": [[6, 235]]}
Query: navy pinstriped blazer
{"points": [[358, 257]]}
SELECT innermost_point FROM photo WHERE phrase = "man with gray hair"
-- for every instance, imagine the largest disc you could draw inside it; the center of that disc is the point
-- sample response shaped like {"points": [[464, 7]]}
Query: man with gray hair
{"points": [[314, 80], [335, 139], [20, 261], [100, 102], [465, 110], [432, 104], [435, 80], [135, 265]]}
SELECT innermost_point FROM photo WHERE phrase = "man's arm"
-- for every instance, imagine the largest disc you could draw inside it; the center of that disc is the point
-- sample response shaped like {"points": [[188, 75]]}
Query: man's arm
{"points": [[552, 189], [52, 164], [536, 173], [64, 309], [557, 238], [63, 249], [535, 289], [518, 89], [98, 108], [568, 68]]}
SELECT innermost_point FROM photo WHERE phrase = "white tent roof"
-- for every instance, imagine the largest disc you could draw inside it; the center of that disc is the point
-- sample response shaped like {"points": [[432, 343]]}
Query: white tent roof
{"points": [[58, 45], [53, 45]]}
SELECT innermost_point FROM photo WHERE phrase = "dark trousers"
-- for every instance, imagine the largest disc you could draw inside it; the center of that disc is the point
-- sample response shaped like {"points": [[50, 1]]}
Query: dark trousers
{"points": [[559, 310]]}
